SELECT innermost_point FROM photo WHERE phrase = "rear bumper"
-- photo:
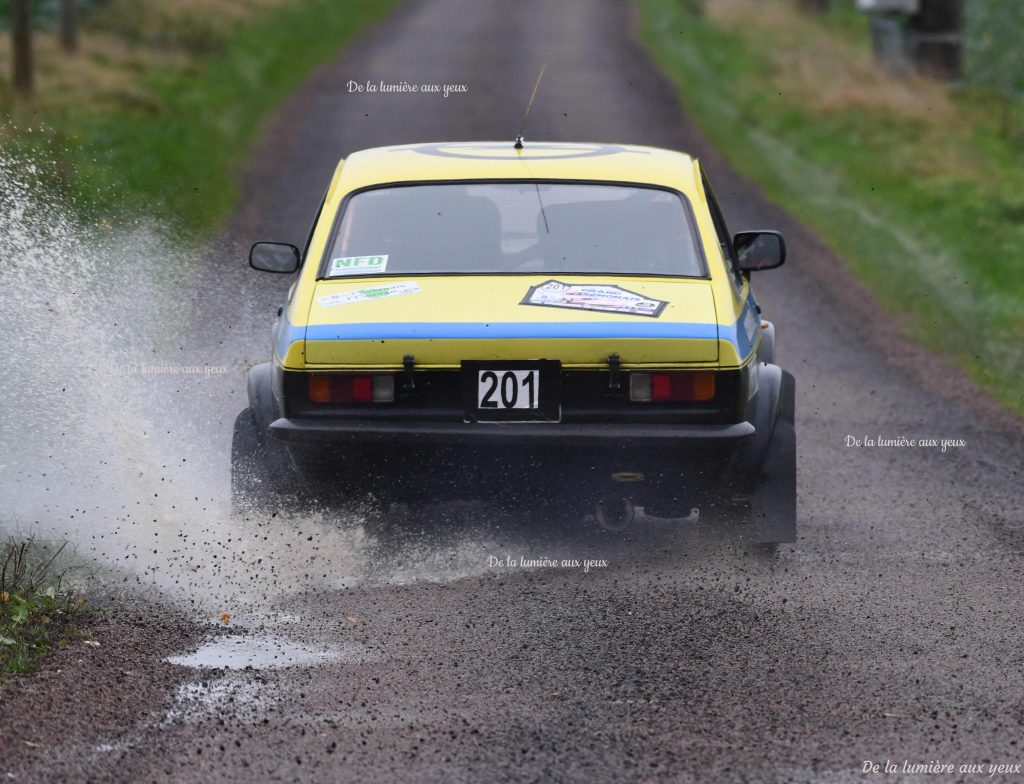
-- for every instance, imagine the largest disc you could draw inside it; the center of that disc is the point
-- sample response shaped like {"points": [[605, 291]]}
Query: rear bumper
{"points": [[298, 431]]}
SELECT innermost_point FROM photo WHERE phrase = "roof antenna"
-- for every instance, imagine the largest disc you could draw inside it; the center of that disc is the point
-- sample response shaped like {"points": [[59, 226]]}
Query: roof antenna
{"points": [[519, 136]]}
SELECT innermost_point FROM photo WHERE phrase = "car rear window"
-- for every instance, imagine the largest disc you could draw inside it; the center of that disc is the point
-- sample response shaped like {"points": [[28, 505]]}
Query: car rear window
{"points": [[515, 228]]}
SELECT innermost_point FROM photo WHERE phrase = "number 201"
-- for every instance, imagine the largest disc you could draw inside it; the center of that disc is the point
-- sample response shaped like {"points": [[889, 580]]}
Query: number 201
{"points": [[504, 392]]}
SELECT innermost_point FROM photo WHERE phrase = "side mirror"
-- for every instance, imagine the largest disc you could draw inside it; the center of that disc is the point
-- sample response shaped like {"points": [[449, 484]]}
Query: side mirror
{"points": [[274, 257], [759, 250]]}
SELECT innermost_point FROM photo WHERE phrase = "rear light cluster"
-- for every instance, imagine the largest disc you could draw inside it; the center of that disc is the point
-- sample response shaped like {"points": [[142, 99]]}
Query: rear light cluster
{"points": [[351, 388], [658, 387]]}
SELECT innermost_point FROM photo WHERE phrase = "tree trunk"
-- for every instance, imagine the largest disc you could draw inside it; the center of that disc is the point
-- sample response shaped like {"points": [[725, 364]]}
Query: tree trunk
{"points": [[69, 25], [817, 6], [21, 37]]}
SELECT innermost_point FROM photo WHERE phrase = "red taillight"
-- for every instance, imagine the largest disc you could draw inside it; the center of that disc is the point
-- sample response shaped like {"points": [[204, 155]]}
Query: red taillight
{"points": [[350, 388], [362, 389], [663, 387]]}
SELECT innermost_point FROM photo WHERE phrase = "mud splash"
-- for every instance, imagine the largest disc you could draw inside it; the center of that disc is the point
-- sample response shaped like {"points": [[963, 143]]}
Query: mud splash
{"points": [[125, 369]]}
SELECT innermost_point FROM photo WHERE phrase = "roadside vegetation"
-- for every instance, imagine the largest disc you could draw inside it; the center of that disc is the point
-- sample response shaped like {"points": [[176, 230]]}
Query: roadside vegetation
{"points": [[155, 112], [38, 610], [919, 186]]}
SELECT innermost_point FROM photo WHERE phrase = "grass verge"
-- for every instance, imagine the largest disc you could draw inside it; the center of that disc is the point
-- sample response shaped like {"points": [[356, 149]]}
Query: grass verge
{"points": [[913, 184], [38, 611], [146, 124]]}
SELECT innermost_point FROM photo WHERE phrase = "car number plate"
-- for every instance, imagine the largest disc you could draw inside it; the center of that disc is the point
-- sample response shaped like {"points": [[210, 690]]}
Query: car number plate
{"points": [[517, 391]]}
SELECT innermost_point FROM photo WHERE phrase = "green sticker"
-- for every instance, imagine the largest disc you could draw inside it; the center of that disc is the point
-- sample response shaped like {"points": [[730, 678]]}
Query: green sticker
{"points": [[357, 265], [368, 295]]}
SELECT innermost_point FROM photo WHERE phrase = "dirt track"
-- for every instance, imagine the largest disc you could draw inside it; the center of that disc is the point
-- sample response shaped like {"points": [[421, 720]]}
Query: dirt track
{"points": [[892, 630]]}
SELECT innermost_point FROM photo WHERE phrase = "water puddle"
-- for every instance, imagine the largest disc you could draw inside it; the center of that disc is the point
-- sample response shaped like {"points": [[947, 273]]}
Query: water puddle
{"points": [[264, 652], [244, 694]]}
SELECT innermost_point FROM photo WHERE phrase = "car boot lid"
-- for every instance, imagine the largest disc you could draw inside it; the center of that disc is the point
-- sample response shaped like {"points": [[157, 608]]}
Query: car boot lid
{"points": [[443, 319]]}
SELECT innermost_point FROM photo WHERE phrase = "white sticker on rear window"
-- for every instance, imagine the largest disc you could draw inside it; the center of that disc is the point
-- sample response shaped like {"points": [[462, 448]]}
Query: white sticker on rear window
{"points": [[357, 265], [601, 298], [368, 294]]}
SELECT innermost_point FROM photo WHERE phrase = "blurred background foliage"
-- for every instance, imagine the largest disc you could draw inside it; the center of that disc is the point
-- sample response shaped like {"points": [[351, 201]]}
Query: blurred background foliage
{"points": [[995, 44], [994, 51], [195, 26], [154, 111]]}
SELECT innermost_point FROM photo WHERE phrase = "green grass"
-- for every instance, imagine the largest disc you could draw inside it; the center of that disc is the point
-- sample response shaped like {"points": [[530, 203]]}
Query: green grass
{"points": [[172, 148], [38, 611], [926, 208]]}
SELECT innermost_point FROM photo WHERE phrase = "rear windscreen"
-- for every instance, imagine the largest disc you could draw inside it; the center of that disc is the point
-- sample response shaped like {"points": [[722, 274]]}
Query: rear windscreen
{"points": [[515, 228]]}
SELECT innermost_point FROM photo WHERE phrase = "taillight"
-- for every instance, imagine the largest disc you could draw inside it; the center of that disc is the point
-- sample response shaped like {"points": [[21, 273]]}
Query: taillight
{"points": [[658, 387], [351, 388]]}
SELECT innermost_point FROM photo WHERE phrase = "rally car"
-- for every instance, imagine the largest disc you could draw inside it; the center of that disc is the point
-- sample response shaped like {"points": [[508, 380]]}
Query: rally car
{"points": [[525, 321]]}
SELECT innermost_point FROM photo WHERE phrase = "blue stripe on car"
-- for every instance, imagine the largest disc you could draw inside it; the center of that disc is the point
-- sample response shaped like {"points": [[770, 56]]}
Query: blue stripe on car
{"points": [[458, 330], [739, 334]]}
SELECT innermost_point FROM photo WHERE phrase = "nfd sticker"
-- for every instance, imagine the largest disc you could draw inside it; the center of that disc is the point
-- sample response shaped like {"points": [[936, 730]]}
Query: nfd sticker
{"points": [[602, 298], [357, 265]]}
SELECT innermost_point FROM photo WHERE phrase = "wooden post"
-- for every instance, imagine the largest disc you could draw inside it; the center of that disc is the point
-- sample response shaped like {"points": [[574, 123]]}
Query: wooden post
{"points": [[69, 25], [21, 37], [817, 6], [936, 38]]}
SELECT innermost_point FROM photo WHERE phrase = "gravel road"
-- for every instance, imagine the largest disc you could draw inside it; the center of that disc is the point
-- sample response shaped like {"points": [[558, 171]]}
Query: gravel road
{"points": [[890, 631]]}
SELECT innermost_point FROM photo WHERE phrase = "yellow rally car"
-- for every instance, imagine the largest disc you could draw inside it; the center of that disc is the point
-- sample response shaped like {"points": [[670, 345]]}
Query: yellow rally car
{"points": [[563, 320]]}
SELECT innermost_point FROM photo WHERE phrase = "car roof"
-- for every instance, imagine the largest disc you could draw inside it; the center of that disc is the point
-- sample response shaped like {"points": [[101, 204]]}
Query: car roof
{"points": [[540, 160]]}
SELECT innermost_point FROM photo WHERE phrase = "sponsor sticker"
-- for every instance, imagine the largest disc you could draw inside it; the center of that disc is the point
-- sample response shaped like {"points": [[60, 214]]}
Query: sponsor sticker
{"points": [[368, 294], [601, 298], [357, 265]]}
